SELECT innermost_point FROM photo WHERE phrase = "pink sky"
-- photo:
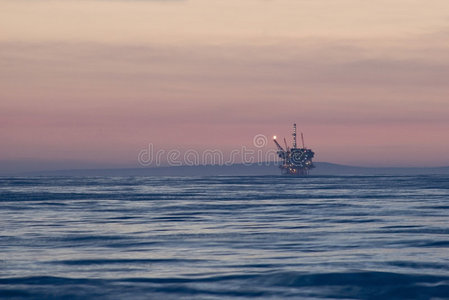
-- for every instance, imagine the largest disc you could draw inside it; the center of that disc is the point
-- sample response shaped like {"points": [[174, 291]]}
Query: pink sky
{"points": [[96, 81]]}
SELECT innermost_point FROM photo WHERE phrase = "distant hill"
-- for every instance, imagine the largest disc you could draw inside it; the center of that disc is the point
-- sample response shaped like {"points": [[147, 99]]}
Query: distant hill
{"points": [[322, 168]]}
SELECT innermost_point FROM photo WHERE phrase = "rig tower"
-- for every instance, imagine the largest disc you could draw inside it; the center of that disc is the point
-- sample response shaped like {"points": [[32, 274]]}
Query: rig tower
{"points": [[295, 161]]}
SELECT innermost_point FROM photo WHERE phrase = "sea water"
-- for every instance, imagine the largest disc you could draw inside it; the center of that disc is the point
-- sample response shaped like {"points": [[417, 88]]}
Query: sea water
{"points": [[350, 237]]}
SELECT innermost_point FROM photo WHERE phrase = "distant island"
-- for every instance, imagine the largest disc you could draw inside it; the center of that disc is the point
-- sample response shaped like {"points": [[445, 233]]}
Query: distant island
{"points": [[322, 168]]}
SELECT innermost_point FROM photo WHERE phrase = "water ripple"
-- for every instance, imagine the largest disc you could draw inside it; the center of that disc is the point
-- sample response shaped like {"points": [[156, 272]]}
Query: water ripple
{"points": [[353, 237]]}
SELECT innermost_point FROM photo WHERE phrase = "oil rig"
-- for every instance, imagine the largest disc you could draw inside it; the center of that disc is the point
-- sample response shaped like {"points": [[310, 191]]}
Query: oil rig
{"points": [[295, 161]]}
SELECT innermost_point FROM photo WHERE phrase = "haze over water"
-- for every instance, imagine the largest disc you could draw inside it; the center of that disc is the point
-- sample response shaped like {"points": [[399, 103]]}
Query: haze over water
{"points": [[365, 237]]}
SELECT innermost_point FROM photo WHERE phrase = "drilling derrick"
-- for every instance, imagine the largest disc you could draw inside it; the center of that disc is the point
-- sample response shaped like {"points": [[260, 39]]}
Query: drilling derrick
{"points": [[295, 161]]}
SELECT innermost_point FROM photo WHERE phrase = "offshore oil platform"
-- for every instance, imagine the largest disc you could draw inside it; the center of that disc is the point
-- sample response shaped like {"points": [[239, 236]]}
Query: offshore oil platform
{"points": [[295, 161]]}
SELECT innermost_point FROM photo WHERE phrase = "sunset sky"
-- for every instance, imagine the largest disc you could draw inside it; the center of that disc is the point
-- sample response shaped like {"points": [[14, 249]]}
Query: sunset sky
{"points": [[90, 83]]}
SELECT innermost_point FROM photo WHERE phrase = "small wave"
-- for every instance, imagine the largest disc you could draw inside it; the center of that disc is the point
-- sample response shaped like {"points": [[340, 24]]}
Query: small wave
{"points": [[444, 244], [87, 262], [359, 285]]}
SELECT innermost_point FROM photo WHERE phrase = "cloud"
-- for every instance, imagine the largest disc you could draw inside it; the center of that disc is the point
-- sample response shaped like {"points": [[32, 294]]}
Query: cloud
{"points": [[82, 99], [323, 79]]}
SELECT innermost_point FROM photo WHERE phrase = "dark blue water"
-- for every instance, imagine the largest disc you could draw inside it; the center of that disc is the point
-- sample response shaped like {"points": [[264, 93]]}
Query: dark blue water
{"points": [[372, 237]]}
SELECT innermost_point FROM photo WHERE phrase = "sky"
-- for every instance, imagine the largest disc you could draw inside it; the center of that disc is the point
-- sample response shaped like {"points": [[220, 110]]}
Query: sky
{"points": [[91, 83]]}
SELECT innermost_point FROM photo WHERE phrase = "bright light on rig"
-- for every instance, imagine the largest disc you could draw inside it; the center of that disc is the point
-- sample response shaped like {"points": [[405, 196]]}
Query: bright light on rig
{"points": [[274, 137]]}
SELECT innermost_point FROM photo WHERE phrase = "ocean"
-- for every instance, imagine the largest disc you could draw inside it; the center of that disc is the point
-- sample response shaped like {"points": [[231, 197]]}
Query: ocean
{"points": [[223, 237]]}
